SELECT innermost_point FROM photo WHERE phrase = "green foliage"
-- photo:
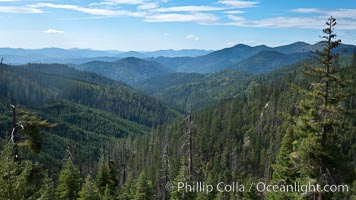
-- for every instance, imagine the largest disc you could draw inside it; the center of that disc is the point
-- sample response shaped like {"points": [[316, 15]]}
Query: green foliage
{"points": [[287, 167], [22, 180], [32, 125], [201, 92], [128, 191], [36, 87], [89, 190], [185, 177], [256, 128], [143, 188], [68, 182], [106, 180], [319, 125]]}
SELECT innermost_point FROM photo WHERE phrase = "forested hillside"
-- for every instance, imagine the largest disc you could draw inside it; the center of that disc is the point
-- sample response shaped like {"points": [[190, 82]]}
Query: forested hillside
{"points": [[50, 83], [76, 135], [86, 108], [129, 70], [248, 139]]}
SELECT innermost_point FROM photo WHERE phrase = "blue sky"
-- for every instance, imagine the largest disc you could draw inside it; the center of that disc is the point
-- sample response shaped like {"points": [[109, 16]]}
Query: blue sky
{"points": [[145, 25]]}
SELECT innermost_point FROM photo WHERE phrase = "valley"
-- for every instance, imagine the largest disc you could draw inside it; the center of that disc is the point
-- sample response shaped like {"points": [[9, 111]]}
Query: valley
{"points": [[95, 124]]}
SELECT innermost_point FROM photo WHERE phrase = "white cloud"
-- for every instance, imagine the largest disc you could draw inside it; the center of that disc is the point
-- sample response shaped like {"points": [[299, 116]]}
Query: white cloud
{"points": [[345, 19], [233, 12], [10, 9], [92, 11], [173, 17], [231, 43], [306, 10], [338, 13], [53, 31], [291, 22], [148, 6], [118, 2], [277, 22], [8, 0], [188, 9], [165, 34], [192, 37], [238, 3], [250, 42]]}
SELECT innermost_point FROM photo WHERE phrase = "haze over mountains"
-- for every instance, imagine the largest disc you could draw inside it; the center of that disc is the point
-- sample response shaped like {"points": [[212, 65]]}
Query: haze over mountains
{"points": [[80, 56], [134, 68]]}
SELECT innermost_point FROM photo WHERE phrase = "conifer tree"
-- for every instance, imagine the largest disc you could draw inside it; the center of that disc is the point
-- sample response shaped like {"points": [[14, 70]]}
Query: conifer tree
{"points": [[128, 191], [47, 190], [21, 178], [143, 188], [106, 178], [89, 190], [68, 182], [286, 169], [182, 177], [108, 194], [14, 176], [319, 146], [102, 177]]}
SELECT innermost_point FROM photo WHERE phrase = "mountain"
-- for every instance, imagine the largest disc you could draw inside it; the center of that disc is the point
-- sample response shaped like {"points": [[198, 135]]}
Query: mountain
{"points": [[267, 61], [81, 56], [302, 47], [76, 61], [129, 70], [245, 138], [88, 110], [224, 58], [296, 47], [132, 54], [213, 61], [56, 52], [36, 84], [178, 53], [220, 59]]}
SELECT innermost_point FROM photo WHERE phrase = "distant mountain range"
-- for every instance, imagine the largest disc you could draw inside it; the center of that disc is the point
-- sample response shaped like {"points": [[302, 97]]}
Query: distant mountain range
{"points": [[80, 56], [243, 57], [135, 67]]}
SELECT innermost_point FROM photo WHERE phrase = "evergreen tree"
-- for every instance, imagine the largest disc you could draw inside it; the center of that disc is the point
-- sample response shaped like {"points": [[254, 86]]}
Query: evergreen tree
{"points": [[68, 182], [14, 176], [47, 190], [89, 190], [287, 168], [22, 180], [106, 178], [127, 191], [182, 177], [102, 177], [143, 188], [108, 194], [319, 146]]}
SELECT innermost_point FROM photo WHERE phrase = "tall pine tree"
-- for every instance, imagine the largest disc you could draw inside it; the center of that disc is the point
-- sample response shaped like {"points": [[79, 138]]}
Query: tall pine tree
{"points": [[318, 125]]}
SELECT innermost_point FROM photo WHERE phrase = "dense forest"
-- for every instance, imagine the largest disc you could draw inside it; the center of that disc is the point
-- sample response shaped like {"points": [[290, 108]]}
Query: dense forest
{"points": [[72, 134]]}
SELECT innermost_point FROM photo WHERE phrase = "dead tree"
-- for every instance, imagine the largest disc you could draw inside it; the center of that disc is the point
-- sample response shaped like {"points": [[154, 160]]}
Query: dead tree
{"points": [[165, 167]]}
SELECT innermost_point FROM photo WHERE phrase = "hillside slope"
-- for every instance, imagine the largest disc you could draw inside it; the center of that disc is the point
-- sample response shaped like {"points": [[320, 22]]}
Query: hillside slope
{"points": [[129, 70]]}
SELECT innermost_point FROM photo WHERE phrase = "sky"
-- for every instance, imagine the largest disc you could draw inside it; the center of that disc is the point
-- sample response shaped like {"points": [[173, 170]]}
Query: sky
{"points": [[147, 25]]}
